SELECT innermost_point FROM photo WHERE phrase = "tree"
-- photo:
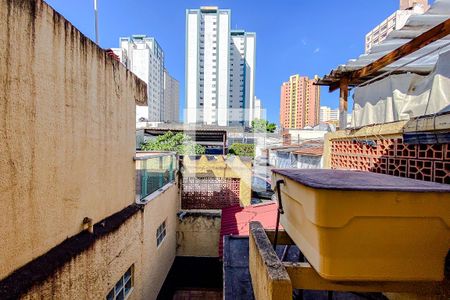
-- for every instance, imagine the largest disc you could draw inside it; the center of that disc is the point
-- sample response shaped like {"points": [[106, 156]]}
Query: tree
{"points": [[260, 125], [179, 142], [242, 149]]}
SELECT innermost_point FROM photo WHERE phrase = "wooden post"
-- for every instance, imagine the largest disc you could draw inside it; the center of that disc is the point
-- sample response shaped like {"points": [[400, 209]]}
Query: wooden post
{"points": [[343, 103]]}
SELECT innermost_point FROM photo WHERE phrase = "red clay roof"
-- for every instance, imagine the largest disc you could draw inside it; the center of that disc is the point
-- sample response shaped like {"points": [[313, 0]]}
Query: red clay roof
{"points": [[236, 219], [311, 151]]}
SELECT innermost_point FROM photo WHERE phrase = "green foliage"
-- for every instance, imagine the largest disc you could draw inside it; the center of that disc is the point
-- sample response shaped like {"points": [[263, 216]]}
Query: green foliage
{"points": [[242, 149], [260, 125], [179, 142]]}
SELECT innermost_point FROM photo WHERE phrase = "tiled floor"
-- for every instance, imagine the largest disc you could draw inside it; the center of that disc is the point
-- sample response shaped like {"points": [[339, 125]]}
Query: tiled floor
{"points": [[197, 295]]}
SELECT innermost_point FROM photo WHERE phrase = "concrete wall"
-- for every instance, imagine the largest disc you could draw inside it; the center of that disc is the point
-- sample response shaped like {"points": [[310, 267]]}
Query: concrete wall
{"points": [[93, 273], [67, 121], [198, 233]]}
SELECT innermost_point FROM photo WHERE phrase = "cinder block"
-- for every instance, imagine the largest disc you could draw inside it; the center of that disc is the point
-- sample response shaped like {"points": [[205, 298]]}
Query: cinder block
{"points": [[442, 171], [398, 167], [420, 169], [435, 151], [446, 151], [405, 151], [386, 147], [380, 165]]}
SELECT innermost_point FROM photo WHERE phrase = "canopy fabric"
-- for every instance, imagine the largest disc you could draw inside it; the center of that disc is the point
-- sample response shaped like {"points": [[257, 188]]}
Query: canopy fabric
{"points": [[404, 96]]}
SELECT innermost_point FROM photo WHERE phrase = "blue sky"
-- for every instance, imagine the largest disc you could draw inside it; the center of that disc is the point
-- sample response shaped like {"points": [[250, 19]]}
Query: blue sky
{"points": [[293, 36]]}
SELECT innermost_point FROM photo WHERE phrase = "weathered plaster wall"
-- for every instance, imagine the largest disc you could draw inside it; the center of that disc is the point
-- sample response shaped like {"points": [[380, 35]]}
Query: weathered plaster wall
{"points": [[92, 274], [198, 233], [67, 115]]}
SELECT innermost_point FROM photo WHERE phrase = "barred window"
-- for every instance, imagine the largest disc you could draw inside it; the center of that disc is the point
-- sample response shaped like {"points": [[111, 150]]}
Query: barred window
{"points": [[160, 233]]}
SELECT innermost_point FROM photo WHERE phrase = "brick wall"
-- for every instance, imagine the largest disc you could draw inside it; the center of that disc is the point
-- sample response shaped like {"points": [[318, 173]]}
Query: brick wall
{"points": [[393, 157], [209, 192]]}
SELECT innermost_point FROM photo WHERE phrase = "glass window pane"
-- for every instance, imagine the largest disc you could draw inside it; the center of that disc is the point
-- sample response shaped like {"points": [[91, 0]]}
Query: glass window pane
{"points": [[110, 295], [119, 285], [128, 287], [127, 275], [121, 295]]}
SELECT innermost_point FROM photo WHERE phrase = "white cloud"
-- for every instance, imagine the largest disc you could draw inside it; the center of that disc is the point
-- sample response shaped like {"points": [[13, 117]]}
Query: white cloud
{"points": [[316, 50]]}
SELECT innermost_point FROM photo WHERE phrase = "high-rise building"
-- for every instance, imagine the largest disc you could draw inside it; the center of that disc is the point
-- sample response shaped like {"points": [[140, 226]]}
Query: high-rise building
{"points": [[145, 58], [327, 114], [299, 102], [408, 4], [395, 21], [220, 69], [171, 98], [258, 109]]}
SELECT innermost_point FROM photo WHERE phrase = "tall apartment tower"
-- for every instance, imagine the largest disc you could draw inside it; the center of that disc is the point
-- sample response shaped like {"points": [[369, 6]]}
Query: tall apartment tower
{"points": [[395, 21], [171, 98], [145, 58], [258, 109], [220, 69], [299, 103], [408, 4]]}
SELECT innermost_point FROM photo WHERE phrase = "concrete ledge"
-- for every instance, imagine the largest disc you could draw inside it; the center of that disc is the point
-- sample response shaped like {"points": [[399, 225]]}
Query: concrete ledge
{"points": [[270, 279], [43, 267]]}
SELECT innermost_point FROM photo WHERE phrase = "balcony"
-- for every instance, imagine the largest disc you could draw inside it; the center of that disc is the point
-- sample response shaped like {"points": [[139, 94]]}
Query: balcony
{"points": [[154, 171]]}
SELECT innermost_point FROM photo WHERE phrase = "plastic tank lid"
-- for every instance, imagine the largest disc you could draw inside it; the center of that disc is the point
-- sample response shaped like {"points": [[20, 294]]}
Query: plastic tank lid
{"points": [[359, 181]]}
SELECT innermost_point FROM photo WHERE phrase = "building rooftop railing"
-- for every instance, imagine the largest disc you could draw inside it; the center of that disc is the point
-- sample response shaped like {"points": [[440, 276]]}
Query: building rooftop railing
{"points": [[154, 170]]}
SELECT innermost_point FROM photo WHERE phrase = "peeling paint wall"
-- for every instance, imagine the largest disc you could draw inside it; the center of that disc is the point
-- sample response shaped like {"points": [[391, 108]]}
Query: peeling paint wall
{"points": [[198, 233], [67, 123], [93, 273]]}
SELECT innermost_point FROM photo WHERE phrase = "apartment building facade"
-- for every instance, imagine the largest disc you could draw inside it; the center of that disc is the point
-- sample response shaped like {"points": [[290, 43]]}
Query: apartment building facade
{"points": [[299, 102], [395, 21], [328, 114], [145, 58], [220, 69], [171, 98], [258, 109]]}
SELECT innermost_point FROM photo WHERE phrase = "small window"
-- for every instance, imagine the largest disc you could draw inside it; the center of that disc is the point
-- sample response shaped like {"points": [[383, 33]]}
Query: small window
{"points": [[123, 287], [160, 233]]}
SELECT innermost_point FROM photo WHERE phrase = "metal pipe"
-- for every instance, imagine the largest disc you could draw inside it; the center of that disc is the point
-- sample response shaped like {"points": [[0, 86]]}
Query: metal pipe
{"points": [[280, 211], [96, 21]]}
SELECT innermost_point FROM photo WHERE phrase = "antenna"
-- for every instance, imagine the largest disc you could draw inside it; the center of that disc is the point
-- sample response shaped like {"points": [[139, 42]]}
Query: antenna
{"points": [[96, 21]]}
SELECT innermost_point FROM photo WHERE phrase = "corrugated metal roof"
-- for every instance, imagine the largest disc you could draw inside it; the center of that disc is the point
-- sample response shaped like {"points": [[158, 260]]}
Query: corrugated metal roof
{"points": [[236, 219]]}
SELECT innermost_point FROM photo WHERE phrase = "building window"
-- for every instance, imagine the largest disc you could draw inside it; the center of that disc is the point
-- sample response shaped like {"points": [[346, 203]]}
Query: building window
{"points": [[160, 233], [123, 287]]}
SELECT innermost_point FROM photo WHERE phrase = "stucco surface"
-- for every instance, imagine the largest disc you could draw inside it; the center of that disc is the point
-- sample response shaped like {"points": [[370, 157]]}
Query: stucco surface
{"points": [[93, 273], [198, 233], [67, 115]]}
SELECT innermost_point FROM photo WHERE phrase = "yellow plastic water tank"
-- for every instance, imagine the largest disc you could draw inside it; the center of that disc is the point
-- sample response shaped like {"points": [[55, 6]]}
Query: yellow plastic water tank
{"points": [[363, 226]]}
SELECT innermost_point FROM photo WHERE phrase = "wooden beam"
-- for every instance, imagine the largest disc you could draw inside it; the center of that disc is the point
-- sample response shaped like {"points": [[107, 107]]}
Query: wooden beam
{"points": [[436, 33], [303, 276], [343, 103]]}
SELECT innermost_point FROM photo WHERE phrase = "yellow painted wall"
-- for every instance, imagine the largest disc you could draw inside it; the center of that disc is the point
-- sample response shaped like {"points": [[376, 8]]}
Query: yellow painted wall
{"points": [[223, 167], [198, 233], [67, 128], [93, 273]]}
